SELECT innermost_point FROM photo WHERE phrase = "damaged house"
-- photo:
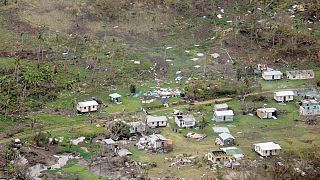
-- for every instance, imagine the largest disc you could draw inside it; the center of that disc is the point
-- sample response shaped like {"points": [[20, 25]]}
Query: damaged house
{"points": [[217, 156], [309, 107], [185, 121], [155, 142], [300, 74], [267, 113], [137, 127]]}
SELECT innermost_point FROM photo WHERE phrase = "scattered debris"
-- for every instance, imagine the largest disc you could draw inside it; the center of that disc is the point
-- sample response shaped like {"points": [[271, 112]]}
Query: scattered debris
{"points": [[78, 140], [196, 136]]}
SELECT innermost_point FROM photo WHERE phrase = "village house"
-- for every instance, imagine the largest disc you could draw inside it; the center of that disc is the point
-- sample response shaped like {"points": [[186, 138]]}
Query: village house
{"points": [[110, 144], [283, 96], [218, 156], [137, 127], [300, 74], [185, 121], [221, 107], [267, 149], [225, 139], [267, 113], [233, 151], [271, 75], [115, 98], [156, 121], [220, 116], [309, 107], [155, 142], [87, 106]]}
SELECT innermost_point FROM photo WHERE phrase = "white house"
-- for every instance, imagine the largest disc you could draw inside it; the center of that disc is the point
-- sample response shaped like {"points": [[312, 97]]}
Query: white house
{"points": [[267, 149], [87, 106], [221, 107], [185, 121], [156, 121], [272, 75], [115, 97], [283, 96], [137, 127], [267, 113], [220, 116]]}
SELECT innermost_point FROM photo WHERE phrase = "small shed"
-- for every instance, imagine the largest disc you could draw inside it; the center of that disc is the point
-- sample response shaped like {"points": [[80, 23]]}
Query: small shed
{"points": [[221, 107], [272, 75], [109, 143], [226, 139], [267, 149], [220, 116], [156, 121], [283, 96], [87, 106], [116, 98], [267, 113]]}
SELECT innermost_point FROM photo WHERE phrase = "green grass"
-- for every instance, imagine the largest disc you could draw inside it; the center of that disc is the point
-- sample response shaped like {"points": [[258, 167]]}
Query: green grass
{"points": [[77, 171]]}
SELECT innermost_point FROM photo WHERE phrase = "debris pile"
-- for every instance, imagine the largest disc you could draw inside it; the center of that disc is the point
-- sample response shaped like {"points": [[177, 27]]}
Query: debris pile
{"points": [[195, 136]]}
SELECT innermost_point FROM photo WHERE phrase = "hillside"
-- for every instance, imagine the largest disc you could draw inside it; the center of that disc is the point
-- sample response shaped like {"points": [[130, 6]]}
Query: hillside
{"points": [[54, 54]]}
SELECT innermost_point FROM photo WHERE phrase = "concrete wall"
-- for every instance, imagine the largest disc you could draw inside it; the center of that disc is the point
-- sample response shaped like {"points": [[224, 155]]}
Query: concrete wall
{"points": [[155, 124], [223, 118], [281, 98], [87, 109], [268, 77]]}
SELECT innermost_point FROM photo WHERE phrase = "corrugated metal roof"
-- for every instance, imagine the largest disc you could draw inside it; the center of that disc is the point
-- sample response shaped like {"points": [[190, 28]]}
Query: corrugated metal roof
{"points": [[225, 136], [268, 146], [224, 113], [272, 73], [284, 93], [88, 103], [114, 95], [221, 130], [156, 118]]}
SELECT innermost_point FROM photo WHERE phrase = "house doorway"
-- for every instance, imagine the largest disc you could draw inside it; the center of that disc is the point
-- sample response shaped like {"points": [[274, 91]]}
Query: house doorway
{"points": [[284, 99], [272, 76], [224, 118]]}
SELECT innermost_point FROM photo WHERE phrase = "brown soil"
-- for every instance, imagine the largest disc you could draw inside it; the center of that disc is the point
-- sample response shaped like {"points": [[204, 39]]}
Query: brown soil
{"points": [[13, 23], [26, 54]]}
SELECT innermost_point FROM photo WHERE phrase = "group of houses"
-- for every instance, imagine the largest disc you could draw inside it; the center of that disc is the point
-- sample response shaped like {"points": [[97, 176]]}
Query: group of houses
{"points": [[271, 74], [94, 106]]}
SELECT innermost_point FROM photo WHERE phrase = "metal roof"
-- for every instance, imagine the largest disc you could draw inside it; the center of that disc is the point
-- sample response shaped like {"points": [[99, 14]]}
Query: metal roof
{"points": [[124, 152], [284, 93], [268, 146], [220, 129], [157, 136], [224, 113], [156, 118], [225, 136], [221, 106], [109, 141], [267, 109], [88, 103], [114, 95], [272, 73]]}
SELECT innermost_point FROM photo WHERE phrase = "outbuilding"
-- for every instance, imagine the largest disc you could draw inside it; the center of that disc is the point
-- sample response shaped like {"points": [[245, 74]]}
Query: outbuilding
{"points": [[220, 116], [87, 106], [116, 98], [267, 113], [272, 75], [300, 74], [267, 149], [283, 96], [110, 144], [225, 139], [156, 121]]}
